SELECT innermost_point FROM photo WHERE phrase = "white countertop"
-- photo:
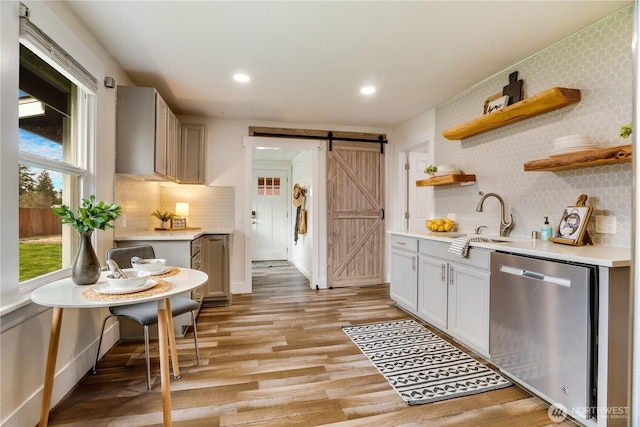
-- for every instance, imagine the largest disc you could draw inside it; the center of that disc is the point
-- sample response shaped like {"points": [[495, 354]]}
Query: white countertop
{"points": [[605, 256], [168, 235]]}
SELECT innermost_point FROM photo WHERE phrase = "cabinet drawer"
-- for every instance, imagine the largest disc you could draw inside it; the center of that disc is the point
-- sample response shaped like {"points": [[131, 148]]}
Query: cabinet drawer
{"points": [[196, 261], [404, 242], [476, 257], [196, 246]]}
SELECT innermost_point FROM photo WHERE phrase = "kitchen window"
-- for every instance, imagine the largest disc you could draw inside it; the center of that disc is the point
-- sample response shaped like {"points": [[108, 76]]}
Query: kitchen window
{"points": [[56, 104]]}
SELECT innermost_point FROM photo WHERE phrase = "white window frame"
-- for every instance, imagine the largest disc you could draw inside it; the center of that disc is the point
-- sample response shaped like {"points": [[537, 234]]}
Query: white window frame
{"points": [[13, 294]]}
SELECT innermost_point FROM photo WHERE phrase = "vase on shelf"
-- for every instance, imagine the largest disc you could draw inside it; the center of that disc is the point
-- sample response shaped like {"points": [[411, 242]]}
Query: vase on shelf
{"points": [[164, 225], [86, 267]]}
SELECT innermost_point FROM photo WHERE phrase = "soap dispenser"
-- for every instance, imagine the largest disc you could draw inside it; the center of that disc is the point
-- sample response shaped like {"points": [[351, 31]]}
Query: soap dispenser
{"points": [[545, 231]]}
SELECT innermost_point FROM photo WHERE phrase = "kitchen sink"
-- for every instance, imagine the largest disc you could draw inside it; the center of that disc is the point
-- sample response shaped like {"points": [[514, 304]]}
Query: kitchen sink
{"points": [[489, 238]]}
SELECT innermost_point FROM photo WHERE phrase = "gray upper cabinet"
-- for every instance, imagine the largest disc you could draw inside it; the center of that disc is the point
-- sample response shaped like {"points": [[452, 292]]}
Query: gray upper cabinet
{"points": [[149, 139], [191, 154]]}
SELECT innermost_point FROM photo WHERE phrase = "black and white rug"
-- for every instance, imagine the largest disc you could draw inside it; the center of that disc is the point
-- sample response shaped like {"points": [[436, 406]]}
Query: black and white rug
{"points": [[267, 264], [421, 366]]}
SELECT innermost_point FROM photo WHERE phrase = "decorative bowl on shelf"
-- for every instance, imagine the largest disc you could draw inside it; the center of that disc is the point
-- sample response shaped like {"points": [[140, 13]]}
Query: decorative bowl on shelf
{"points": [[440, 224]]}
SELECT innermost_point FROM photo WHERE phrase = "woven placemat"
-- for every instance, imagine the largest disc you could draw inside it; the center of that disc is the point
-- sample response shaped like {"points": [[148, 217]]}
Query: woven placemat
{"points": [[92, 295], [172, 272]]}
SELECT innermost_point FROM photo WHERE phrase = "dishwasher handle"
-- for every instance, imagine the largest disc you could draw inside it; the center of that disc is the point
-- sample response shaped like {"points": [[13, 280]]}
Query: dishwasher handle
{"points": [[516, 271]]}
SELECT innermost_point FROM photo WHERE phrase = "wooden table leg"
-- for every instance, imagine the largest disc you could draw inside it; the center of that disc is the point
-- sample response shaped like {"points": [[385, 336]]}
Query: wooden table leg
{"points": [[163, 316], [172, 342], [50, 369]]}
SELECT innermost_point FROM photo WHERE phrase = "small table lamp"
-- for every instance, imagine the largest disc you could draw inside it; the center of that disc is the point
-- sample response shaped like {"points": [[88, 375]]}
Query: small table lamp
{"points": [[182, 212]]}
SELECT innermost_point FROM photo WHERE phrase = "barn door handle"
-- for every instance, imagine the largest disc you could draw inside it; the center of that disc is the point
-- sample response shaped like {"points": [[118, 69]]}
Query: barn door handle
{"points": [[382, 210]]}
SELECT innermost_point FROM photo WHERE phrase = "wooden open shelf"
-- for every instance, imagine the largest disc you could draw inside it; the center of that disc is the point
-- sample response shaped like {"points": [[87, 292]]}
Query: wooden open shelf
{"points": [[549, 100], [460, 179], [600, 157]]}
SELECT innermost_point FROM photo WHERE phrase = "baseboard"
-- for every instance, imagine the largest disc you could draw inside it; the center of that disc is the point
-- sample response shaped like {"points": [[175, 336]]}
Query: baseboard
{"points": [[66, 378]]}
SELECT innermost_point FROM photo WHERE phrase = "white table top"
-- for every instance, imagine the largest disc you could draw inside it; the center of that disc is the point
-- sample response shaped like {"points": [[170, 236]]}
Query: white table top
{"points": [[66, 294]]}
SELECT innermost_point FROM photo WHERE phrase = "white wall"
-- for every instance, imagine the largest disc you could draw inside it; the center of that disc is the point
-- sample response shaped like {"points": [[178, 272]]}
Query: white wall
{"points": [[225, 166], [598, 61], [24, 332], [301, 253]]}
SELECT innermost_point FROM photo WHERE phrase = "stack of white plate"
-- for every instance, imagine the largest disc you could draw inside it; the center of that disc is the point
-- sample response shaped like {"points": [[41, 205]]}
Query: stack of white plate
{"points": [[571, 144], [447, 170]]}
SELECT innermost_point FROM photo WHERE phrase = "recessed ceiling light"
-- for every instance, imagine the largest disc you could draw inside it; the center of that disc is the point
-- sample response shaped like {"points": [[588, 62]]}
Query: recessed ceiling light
{"points": [[242, 78], [368, 90]]}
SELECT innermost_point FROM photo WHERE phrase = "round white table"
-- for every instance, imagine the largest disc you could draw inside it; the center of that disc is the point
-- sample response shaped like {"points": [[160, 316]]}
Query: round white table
{"points": [[64, 293]]}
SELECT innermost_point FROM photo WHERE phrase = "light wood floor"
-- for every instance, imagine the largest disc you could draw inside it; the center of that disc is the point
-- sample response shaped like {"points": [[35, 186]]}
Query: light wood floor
{"points": [[278, 357]]}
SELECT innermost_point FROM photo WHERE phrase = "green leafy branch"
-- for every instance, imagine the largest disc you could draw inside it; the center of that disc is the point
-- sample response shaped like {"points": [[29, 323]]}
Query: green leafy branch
{"points": [[90, 216], [163, 216], [626, 130]]}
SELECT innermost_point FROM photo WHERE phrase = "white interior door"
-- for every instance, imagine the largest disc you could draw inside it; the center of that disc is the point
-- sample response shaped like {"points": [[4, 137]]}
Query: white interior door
{"points": [[270, 203], [420, 199]]}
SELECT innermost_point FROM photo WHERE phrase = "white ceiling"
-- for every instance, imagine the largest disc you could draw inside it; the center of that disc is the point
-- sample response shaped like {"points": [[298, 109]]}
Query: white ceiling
{"points": [[309, 59]]}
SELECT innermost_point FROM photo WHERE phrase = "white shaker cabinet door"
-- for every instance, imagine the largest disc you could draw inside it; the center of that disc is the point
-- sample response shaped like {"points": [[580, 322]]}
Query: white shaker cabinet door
{"points": [[468, 317], [404, 279], [432, 291]]}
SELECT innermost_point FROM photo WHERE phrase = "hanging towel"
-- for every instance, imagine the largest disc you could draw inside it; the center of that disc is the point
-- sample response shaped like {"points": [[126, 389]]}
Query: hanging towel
{"points": [[460, 246]]}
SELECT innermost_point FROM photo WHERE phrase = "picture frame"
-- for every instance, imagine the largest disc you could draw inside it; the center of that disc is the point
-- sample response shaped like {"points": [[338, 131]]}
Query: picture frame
{"points": [[572, 229], [497, 104], [179, 223]]}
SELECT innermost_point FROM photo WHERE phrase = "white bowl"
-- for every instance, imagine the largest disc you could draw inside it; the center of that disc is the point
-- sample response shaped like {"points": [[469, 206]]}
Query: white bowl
{"points": [[153, 265], [135, 279]]}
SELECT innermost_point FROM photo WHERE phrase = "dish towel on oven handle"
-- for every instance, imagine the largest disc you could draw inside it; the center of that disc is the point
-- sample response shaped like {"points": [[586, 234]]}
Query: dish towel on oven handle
{"points": [[460, 246]]}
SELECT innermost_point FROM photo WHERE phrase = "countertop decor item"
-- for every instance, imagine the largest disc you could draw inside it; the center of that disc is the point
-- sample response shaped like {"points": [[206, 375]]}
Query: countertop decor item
{"points": [[164, 217], [572, 229], [92, 215]]}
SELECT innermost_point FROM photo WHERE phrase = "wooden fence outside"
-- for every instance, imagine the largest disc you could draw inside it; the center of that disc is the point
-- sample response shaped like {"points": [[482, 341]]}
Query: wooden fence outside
{"points": [[39, 222]]}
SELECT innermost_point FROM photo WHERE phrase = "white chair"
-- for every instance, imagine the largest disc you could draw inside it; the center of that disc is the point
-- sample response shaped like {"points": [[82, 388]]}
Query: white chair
{"points": [[146, 313]]}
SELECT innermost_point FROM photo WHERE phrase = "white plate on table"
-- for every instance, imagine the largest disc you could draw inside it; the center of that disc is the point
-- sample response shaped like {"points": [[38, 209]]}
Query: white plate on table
{"points": [[105, 288], [165, 269]]}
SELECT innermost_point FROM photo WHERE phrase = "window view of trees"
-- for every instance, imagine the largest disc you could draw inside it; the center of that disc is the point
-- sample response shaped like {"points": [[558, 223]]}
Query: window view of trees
{"points": [[37, 190], [49, 173]]}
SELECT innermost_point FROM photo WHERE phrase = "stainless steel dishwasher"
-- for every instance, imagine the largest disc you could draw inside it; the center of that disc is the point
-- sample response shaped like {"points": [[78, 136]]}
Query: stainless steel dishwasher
{"points": [[543, 326]]}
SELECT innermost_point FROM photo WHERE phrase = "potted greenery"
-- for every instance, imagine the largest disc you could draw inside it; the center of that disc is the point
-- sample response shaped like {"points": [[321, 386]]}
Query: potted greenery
{"points": [[164, 217], [626, 130], [431, 170], [91, 216]]}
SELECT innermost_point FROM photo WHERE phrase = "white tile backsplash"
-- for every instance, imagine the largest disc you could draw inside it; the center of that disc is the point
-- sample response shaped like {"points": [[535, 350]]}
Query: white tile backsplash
{"points": [[598, 61], [209, 207]]}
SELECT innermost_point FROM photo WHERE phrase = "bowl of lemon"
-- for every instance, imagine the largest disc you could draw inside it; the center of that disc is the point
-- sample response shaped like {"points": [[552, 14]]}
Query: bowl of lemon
{"points": [[440, 224]]}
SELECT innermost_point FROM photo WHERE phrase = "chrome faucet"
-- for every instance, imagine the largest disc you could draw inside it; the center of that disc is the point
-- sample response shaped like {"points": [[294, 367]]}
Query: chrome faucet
{"points": [[504, 224]]}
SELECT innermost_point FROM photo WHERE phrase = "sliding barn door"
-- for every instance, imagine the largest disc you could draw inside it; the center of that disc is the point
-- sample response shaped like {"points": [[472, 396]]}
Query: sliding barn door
{"points": [[355, 217]]}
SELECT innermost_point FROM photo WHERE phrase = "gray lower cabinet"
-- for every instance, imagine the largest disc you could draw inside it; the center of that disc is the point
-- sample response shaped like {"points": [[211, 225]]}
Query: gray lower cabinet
{"points": [[215, 262], [404, 272], [453, 292], [208, 253], [446, 291]]}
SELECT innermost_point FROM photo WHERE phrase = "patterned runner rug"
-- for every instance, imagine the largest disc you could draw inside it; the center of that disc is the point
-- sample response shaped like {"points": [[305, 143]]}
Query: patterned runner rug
{"points": [[421, 366], [267, 264]]}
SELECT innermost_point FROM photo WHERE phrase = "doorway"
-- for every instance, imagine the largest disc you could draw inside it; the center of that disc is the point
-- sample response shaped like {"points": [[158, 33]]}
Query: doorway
{"points": [[315, 240], [270, 214]]}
